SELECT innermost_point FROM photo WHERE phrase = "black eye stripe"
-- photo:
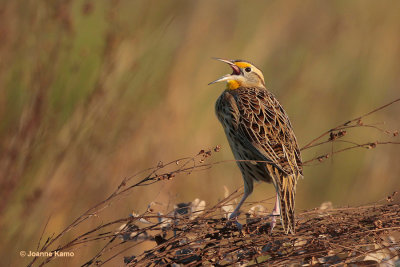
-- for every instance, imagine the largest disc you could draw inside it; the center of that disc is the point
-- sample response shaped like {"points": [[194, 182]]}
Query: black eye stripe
{"points": [[248, 69]]}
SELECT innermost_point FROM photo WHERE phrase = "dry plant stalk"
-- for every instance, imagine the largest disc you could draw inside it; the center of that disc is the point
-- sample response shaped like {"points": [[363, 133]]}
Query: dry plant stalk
{"points": [[336, 133], [324, 236], [192, 234]]}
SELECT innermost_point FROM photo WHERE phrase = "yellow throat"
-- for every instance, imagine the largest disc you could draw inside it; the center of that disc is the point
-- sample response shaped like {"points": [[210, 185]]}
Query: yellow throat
{"points": [[232, 85]]}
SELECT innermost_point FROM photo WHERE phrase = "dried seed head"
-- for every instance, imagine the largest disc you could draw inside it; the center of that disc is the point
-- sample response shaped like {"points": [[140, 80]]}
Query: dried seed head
{"points": [[332, 136], [217, 148], [342, 133], [372, 145]]}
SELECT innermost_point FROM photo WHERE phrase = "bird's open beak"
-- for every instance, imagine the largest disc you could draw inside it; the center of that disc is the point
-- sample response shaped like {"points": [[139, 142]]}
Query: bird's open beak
{"points": [[236, 71]]}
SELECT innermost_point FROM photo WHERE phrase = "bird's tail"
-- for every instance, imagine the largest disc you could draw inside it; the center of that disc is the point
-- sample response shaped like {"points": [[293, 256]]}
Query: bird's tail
{"points": [[285, 186]]}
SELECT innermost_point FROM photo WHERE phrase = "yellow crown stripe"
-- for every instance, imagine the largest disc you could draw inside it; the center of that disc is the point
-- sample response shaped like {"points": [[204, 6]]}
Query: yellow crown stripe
{"points": [[242, 64]]}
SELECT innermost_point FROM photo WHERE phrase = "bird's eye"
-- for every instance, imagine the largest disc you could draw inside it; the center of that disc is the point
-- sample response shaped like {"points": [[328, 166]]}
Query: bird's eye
{"points": [[248, 69]]}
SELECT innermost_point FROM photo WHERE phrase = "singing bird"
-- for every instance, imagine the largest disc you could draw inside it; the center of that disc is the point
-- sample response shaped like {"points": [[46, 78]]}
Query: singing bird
{"points": [[261, 137]]}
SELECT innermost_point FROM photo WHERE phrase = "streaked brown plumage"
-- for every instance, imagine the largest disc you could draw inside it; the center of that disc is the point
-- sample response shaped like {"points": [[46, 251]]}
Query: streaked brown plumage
{"points": [[261, 136]]}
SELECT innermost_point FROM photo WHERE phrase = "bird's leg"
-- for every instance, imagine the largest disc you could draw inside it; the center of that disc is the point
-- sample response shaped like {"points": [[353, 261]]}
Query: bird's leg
{"points": [[275, 212], [235, 213]]}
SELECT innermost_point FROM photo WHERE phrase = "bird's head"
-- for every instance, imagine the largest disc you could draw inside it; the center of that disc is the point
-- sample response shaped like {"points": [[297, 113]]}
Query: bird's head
{"points": [[244, 74]]}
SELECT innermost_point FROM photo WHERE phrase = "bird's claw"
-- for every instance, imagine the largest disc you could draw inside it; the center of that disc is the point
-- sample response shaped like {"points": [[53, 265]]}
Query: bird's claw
{"points": [[233, 219], [273, 221], [272, 224], [238, 225]]}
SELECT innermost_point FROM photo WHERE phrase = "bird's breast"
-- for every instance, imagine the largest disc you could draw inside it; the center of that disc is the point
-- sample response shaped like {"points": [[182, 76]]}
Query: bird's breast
{"points": [[227, 111]]}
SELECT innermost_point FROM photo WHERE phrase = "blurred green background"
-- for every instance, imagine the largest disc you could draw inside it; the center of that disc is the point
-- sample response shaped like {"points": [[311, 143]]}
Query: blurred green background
{"points": [[94, 91]]}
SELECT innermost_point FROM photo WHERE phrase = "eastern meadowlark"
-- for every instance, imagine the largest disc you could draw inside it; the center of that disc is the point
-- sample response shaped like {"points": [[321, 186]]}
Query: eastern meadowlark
{"points": [[261, 138]]}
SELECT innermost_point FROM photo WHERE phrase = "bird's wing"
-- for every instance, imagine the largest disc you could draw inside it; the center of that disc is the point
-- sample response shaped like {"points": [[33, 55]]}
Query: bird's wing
{"points": [[264, 125]]}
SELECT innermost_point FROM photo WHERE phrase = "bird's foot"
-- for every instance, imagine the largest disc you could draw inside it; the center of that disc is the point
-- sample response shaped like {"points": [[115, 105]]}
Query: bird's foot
{"points": [[234, 215], [233, 219], [274, 214], [238, 225], [272, 224]]}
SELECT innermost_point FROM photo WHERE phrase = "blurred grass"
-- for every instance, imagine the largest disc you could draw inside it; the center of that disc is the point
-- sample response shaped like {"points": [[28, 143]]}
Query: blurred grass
{"points": [[94, 91]]}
